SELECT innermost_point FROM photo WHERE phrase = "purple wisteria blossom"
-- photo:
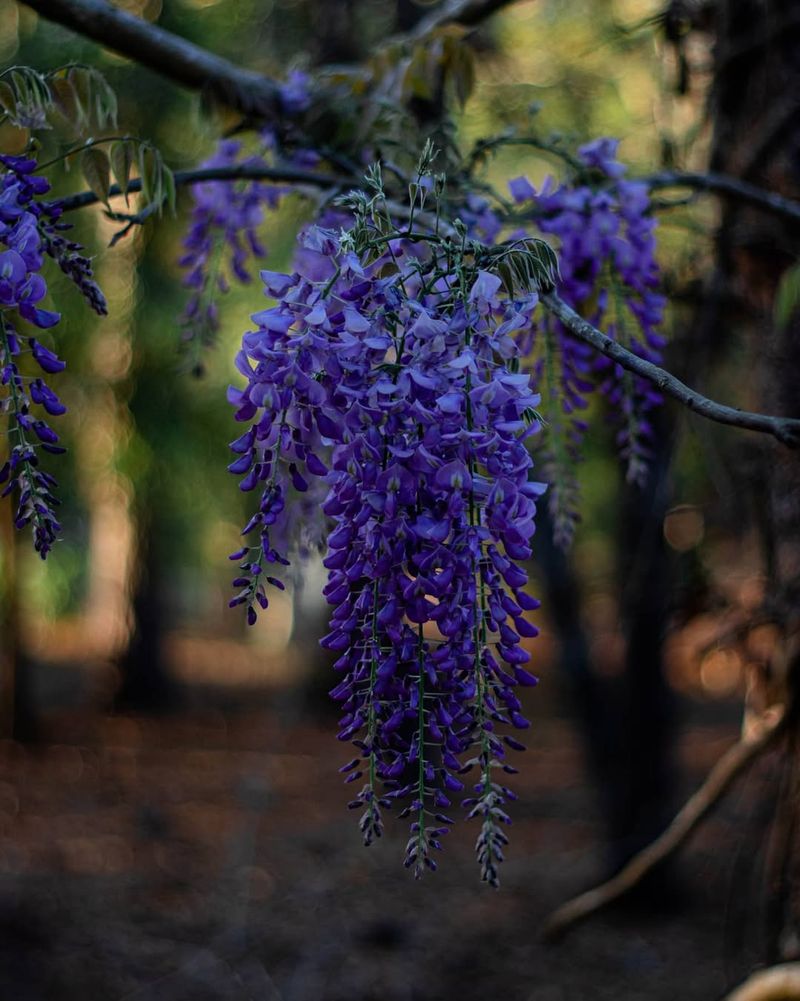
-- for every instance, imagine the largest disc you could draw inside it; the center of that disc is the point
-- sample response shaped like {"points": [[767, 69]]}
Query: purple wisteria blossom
{"points": [[395, 371], [398, 389], [223, 237], [606, 247], [22, 289], [30, 230]]}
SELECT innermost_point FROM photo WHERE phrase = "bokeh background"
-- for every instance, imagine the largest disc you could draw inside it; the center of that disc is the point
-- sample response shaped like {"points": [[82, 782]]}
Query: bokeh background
{"points": [[171, 819]]}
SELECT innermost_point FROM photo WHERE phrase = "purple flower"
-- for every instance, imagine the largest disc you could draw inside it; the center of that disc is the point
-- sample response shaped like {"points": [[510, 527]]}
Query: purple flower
{"points": [[408, 452], [602, 154], [391, 380], [609, 274], [28, 232], [521, 189]]}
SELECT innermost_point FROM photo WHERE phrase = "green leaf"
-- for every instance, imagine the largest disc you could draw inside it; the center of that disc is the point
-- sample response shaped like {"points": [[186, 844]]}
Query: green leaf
{"points": [[121, 163], [26, 97], [142, 162], [8, 101], [525, 265], [787, 296], [65, 102], [96, 168], [169, 188], [105, 100], [82, 87]]}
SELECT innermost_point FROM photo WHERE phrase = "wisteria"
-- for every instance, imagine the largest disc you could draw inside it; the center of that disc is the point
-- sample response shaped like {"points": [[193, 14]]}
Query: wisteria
{"points": [[223, 237], [225, 216], [30, 229], [389, 366], [22, 288], [606, 247], [396, 368]]}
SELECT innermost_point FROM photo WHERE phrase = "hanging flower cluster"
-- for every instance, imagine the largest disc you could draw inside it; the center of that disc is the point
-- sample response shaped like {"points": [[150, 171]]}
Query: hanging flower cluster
{"points": [[604, 234], [606, 246], [397, 367], [394, 356], [223, 237], [30, 229], [22, 288], [224, 213]]}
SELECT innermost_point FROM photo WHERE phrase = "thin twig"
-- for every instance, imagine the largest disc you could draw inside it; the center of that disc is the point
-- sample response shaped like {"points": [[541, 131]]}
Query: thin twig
{"points": [[785, 429], [735, 760], [238, 172], [166, 53], [731, 187]]}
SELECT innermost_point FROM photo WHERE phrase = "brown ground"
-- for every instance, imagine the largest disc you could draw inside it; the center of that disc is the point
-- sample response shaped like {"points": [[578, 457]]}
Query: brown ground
{"points": [[209, 856]]}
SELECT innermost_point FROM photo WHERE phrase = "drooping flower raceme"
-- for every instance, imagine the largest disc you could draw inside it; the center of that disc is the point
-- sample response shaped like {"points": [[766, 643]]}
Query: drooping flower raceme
{"points": [[393, 375], [606, 246], [22, 289], [604, 233], [223, 237], [30, 230], [397, 366]]}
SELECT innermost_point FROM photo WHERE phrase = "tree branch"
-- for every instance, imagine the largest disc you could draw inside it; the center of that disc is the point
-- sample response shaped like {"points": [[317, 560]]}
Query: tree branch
{"points": [[731, 187], [166, 53], [238, 172], [197, 68], [722, 775], [251, 93], [785, 429], [251, 172], [476, 11]]}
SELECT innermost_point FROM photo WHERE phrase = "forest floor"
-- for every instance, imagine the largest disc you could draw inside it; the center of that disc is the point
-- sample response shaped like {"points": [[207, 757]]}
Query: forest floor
{"points": [[209, 856]]}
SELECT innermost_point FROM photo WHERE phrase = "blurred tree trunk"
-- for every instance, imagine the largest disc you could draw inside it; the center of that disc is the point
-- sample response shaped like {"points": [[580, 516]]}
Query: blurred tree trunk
{"points": [[146, 685], [644, 786], [756, 107], [627, 722], [9, 624], [17, 717]]}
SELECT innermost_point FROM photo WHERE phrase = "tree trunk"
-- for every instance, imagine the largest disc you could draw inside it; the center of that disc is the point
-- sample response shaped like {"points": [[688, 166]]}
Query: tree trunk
{"points": [[756, 106], [146, 685]]}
